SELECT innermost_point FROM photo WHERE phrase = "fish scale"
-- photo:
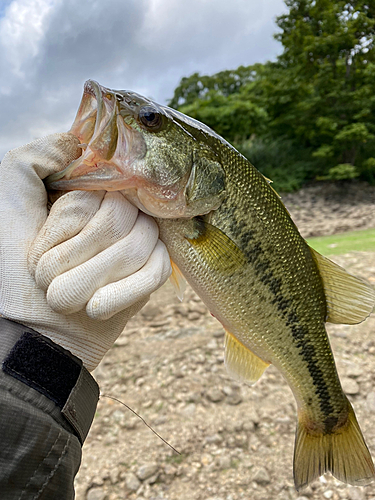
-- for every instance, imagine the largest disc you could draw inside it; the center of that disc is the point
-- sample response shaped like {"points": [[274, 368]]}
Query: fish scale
{"points": [[271, 285], [230, 236]]}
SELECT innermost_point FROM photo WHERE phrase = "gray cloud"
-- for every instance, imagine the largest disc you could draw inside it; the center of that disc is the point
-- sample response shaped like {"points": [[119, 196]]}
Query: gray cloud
{"points": [[48, 48]]}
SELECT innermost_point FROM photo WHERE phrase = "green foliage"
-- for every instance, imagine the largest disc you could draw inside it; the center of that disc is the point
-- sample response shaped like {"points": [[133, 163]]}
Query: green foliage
{"points": [[197, 86], [231, 117], [341, 172], [287, 165], [314, 108]]}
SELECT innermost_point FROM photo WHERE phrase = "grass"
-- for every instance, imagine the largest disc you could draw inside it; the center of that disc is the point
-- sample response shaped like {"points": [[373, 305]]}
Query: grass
{"points": [[337, 244]]}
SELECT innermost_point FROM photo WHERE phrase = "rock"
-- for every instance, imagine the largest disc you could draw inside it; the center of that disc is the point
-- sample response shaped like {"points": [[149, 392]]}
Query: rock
{"points": [[261, 476], [114, 475], [170, 470], [284, 495], [218, 333], [370, 401], [224, 462], [328, 494], [193, 316], [152, 479], [215, 395], [132, 482], [212, 345], [214, 439], [234, 399], [356, 493], [147, 470], [349, 386], [228, 391], [353, 370], [189, 409], [96, 494], [302, 498]]}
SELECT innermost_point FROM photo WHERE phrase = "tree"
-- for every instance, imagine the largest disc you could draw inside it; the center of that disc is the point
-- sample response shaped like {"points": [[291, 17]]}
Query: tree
{"points": [[318, 97], [329, 54]]}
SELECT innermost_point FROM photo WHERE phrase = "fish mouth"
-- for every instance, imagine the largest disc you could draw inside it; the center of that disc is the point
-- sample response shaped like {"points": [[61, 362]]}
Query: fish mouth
{"points": [[107, 145], [112, 155]]}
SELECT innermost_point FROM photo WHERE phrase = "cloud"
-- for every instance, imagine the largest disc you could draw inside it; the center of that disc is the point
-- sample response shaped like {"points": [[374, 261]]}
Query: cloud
{"points": [[48, 48]]}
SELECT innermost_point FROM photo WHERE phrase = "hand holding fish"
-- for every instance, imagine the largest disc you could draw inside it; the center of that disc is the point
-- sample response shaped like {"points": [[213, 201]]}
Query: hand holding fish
{"points": [[95, 259]]}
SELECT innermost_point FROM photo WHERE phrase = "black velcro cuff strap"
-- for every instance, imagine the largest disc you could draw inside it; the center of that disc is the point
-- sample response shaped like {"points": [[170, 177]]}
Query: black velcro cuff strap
{"points": [[53, 371]]}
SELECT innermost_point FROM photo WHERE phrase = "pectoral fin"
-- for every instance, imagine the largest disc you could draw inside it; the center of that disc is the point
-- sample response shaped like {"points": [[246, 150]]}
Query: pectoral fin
{"points": [[241, 363], [349, 299], [215, 248]]}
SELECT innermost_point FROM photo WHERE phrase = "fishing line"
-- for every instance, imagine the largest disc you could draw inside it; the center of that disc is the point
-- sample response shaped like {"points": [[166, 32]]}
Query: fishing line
{"points": [[143, 420]]}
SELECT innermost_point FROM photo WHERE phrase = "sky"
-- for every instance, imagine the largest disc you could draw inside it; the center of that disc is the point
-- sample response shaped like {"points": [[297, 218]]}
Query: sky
{"points": [[49, 48]]}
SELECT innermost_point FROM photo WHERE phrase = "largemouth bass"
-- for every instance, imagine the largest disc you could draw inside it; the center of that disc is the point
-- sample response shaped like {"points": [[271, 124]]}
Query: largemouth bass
{"points": [[230, 236]]}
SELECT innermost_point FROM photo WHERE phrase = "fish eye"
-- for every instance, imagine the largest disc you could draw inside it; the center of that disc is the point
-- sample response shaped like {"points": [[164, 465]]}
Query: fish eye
{"points": [[151, 118]]}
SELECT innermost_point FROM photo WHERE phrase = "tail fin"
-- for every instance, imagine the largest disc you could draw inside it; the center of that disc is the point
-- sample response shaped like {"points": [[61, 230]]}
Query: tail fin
{"points": [[343, 453]]}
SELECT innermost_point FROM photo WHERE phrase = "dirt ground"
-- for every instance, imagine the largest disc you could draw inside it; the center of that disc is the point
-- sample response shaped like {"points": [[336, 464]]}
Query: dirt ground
{"points": [[235, 441]]}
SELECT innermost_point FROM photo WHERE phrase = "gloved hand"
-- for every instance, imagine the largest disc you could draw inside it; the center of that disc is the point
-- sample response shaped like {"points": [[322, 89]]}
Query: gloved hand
{"points": [[80, 274]]}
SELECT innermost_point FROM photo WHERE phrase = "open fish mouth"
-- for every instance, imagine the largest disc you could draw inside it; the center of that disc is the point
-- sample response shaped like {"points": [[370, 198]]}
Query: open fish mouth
{"points": [[106, 142], [131, 144]]}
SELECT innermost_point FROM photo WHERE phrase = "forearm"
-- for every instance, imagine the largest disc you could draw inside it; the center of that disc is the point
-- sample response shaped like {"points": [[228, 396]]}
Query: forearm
{"points": [[42, 434]]}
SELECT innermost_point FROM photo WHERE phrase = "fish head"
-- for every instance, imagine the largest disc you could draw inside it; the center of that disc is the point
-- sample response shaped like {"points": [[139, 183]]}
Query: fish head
{"points": [[163, 161]]}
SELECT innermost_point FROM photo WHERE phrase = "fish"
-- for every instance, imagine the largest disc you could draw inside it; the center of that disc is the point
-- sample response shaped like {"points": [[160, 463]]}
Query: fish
{"points": [[232, 239]]}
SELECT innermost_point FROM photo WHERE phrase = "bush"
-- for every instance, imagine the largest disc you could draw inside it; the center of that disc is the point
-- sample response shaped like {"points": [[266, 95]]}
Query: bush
{"points": [[340, 172], [286, 164]]}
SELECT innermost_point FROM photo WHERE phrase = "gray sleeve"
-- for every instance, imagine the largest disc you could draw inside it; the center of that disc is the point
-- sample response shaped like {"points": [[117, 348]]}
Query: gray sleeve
{"points": [[40, 444]]}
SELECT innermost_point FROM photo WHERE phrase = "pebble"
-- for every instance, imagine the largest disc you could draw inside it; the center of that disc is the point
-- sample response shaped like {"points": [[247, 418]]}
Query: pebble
{"points": [[218, 333], [353, 370], [132, 482], [96, 494], [147, 470], [350, 386], [212, 345], [370, 401], [261, 476], [214, 439], [189, 409], [302, 498], [193, 316], [224, 462], [170, 470], [234, 399], [114, 475], [356, 493], [215, 395], [328, 494]]}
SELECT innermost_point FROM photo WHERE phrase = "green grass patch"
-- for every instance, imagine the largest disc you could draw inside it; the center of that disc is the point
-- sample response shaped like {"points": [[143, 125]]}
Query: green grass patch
{"points": [[362, 241]]}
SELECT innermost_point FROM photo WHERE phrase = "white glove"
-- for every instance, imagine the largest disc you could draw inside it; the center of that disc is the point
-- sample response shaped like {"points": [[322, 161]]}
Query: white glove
{"points": [[95, 255]]}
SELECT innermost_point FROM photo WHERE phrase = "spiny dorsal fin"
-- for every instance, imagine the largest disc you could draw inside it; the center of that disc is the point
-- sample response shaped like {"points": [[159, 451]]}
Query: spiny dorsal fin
{"points": [[178, 281], [241, 363], [349, 299]]}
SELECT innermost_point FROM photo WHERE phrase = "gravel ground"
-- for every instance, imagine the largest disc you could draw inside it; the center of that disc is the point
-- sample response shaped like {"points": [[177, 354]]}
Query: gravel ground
{"points": [[236, 442]]}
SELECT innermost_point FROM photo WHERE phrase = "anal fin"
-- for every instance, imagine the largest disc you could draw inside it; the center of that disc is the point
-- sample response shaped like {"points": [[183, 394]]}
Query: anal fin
{"points": [[241, 363], [178, 281]]}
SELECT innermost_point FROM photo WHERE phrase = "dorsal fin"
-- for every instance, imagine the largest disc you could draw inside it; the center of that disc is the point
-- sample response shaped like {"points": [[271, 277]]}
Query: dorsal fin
{"points": [[349, 299], [241, 363]]}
